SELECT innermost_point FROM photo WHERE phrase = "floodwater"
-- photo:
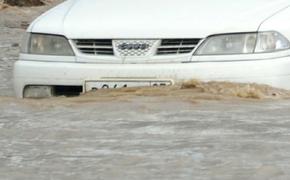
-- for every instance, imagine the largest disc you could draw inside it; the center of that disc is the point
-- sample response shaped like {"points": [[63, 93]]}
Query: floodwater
{"points": [[203, 131], [144, 138]]}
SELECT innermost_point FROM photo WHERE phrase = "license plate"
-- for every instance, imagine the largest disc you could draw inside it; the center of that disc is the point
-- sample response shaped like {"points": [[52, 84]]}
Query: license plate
{"points": [[113, 84]]}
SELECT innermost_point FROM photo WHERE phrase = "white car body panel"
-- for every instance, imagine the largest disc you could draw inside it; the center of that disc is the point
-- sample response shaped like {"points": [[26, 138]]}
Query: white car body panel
{"points": [[273, 72], [148, 19], [157, 19], [278, 23]]}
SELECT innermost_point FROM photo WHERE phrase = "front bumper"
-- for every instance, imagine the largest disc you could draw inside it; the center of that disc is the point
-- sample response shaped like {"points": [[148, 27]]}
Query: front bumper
{"points": [[273, 72]]}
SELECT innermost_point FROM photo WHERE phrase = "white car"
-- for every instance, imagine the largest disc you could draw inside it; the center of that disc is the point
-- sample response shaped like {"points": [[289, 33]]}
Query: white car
{"points": [[84, 45]]}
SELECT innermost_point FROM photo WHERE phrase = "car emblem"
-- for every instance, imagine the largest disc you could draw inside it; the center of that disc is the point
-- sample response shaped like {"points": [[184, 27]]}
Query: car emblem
{"points": [[133, 46]]}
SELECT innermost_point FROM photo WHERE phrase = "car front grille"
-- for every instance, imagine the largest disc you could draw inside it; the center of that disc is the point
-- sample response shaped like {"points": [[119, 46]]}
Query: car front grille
{"points": [[177, 46], [95, 46], [127, 48]]}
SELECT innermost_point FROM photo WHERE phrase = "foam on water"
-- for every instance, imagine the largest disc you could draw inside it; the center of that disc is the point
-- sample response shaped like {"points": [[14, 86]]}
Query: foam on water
{"points": [[192, 91]]}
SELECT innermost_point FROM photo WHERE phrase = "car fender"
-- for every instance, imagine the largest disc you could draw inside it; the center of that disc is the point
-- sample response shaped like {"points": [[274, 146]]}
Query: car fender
{"points": [[278, 22]]}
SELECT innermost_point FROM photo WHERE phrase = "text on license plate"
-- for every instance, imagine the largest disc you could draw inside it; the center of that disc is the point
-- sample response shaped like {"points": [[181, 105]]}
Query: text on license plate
{"points": [[105, 84]]}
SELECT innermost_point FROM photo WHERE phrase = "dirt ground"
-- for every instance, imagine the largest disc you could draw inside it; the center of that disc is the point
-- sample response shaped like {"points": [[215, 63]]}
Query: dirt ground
{"points": [[200, 131]]}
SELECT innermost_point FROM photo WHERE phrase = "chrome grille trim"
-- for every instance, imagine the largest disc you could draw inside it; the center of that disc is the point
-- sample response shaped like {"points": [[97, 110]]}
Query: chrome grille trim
{"points": [[95, 46], [109, 47], [177, 46]]}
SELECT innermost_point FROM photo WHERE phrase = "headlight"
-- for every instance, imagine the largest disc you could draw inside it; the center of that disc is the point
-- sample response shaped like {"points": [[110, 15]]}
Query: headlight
{"points": [[47, 45], [243, 43], [271, 41]]}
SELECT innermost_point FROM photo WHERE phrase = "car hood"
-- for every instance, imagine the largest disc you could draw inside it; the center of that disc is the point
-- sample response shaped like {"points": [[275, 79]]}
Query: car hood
{"points": [[156, 18]]}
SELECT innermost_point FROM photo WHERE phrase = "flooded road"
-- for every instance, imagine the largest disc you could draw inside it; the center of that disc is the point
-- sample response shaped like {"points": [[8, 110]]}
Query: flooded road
{"points": [[144, 138], [159, 134], [147, 135]]}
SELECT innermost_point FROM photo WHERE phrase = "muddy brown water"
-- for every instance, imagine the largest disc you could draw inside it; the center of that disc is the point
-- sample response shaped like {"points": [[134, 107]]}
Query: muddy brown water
{"points": [[215, 130], [144, 137]]}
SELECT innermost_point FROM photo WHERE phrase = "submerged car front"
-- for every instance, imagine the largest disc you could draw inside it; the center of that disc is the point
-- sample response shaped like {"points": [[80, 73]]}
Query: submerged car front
{"points": [[84, 45]]}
